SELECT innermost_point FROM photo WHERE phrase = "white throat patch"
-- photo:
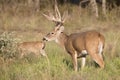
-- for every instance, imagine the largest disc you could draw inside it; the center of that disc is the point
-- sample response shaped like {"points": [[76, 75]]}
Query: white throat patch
{"points": [[57, 41]]}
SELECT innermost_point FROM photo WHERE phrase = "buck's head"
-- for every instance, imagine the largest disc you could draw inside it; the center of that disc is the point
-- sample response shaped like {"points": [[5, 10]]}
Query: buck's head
{"points": [[58, 20]]}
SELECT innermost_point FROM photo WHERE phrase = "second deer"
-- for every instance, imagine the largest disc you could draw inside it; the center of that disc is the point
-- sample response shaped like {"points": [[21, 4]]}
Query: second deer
{"points": [[35, 47]]}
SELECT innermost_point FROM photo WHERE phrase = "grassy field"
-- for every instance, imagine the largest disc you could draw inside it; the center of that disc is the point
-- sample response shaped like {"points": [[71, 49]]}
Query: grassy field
{"points": [[17, 26]]}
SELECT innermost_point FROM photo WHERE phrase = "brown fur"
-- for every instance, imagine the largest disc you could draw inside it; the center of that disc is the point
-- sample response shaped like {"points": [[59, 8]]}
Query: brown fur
{"points": [[75, 43], [36, 48], [88, 41]]}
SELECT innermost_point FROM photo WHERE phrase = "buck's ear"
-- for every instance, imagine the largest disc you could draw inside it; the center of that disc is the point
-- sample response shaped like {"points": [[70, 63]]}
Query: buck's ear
{"points": [[62, 28]]}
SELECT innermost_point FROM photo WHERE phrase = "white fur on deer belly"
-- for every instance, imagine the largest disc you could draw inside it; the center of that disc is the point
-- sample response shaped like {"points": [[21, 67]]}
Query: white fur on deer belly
{"points": [[84, 52]]}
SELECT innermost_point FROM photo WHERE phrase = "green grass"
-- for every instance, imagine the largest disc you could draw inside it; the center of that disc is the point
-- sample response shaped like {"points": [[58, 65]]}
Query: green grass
{"points": [[32, 27], [60, 68]]}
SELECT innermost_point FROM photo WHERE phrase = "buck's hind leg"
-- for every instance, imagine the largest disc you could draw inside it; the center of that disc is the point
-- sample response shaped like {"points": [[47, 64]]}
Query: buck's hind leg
{"points": [[83, 56], [83, 62], [97, 58], [100, 50]]}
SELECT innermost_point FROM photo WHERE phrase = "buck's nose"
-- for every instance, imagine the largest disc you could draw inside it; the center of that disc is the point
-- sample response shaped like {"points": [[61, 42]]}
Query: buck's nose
{"points": [[44, 39]]}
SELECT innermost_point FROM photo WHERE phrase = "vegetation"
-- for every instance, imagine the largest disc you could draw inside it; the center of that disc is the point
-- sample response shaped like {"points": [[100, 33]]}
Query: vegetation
{"points": [[20, 23]]}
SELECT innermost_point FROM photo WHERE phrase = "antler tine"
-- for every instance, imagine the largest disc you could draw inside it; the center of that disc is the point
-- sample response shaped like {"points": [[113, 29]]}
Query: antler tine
{"points": [[64, 17], [50, 17], [57, 12], [57, 17]]}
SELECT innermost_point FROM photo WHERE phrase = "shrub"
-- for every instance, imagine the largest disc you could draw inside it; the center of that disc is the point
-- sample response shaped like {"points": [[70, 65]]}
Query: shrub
{"points": [[8, 45]]}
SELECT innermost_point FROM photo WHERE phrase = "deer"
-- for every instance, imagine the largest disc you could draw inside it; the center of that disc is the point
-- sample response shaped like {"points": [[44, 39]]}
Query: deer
{"points": [[35, 47], [78, 45]]}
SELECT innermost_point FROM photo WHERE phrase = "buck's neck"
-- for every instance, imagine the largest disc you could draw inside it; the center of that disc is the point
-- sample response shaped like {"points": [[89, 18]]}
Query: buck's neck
{"points": [[61, 39]]}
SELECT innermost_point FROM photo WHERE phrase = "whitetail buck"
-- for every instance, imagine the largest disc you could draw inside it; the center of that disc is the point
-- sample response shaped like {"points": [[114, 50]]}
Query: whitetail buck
{"points": [[78, 45], [36, 48]]}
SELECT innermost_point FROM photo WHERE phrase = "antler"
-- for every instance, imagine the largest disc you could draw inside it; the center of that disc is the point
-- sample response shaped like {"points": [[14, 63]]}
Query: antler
{"points": [[50, 17], [57, 17], [64, 17], [57, 12]]}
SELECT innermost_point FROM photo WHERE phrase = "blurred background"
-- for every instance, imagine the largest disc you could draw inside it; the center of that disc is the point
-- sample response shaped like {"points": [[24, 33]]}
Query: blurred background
{"points": [[22, 20]]}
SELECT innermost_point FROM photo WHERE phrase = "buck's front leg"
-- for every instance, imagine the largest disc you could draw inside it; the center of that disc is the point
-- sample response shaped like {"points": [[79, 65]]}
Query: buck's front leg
{"points": [[74, 58]]}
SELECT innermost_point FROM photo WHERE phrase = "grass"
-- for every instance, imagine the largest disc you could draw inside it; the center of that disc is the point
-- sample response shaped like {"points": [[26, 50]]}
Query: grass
{"points": [[32, 27], [60, 68]]}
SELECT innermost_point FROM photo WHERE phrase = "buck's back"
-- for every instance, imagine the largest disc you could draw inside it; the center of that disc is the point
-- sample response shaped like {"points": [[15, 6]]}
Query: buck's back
{"points": [[83, 41]]}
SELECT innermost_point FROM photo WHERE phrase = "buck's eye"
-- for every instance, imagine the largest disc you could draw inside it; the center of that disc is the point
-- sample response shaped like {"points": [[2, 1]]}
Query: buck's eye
{"points": [[52, 33], [58, 29]]}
